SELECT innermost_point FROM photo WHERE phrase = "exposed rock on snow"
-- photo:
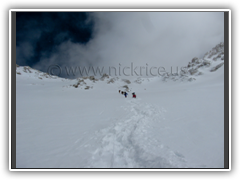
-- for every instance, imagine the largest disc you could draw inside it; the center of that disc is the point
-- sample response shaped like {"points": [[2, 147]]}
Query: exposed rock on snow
{"points": [[126, 81], [126, 88], [196, 66], [193, 71], [30, 72], [216, 67], [88, 87], [104, 76], [112, 80], [92, 78], [79, 83]]}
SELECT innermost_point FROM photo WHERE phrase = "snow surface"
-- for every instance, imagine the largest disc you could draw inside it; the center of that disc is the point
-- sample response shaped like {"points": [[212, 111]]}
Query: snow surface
{"points": [[173, 124]]}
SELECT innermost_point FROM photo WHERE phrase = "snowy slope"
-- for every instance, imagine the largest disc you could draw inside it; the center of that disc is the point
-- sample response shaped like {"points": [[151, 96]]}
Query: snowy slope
{"points": [[86, 123]]}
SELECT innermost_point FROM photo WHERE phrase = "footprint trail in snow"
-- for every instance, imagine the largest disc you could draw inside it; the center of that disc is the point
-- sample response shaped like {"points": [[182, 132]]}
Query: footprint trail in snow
{"points": [[131, 142]]}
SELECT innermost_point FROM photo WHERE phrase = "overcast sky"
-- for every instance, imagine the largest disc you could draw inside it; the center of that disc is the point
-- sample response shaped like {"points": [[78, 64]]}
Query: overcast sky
{"points": [[111, 38]]}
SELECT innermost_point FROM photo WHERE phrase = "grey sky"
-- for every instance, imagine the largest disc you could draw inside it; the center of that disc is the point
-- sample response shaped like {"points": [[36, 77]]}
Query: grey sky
{"points": [[156, 38]]}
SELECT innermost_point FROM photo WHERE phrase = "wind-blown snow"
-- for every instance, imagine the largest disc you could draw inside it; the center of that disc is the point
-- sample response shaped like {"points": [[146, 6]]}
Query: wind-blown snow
{"points": [[171, 124]]}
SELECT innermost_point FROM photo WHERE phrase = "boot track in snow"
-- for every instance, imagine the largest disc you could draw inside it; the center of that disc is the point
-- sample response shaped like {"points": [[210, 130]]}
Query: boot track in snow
{"points": [[131, 143]]}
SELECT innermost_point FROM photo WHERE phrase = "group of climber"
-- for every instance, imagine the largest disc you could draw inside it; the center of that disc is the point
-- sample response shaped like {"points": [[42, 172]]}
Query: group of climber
{"points": [[125, 94]]}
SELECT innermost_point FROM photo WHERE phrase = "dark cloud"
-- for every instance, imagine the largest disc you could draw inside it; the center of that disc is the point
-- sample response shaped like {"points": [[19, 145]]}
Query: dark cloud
{"points": [[40, 33]]}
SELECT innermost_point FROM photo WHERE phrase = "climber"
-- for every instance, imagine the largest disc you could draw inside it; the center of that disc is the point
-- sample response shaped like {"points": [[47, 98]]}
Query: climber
{"points": [[134, 95]]}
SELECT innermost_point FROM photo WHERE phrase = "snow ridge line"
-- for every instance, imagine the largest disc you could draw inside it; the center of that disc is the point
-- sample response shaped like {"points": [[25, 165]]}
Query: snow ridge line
{"points": [[130, 143]]}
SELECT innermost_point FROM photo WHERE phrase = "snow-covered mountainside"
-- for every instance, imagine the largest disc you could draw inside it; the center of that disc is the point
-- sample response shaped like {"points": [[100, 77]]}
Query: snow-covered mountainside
{"points": [[176, 121], [212, 61]]}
